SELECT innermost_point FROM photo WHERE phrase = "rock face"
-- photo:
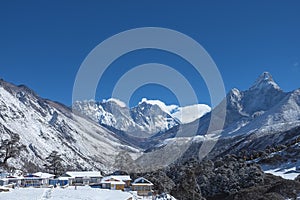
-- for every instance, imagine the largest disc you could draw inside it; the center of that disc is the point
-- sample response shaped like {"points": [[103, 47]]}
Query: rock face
{"points": [[148, 118], [259, 117], [262, 108], [142, 121], [45, 126], [227, 178]]}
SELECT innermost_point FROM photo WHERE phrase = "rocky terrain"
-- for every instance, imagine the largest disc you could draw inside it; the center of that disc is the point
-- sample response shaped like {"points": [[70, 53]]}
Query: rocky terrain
{"points": [[143, 121], [260, 121], [262, 109], [44, 126]]}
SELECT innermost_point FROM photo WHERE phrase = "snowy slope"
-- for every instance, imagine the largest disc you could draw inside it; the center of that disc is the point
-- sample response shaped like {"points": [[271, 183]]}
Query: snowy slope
{"points": [[290, 173], [108, 112], [45, 126], [283, 116], [143, 120], [185, 114], [255, 118], [166, 108], [190, 113], [146, 119], [263, 107]]}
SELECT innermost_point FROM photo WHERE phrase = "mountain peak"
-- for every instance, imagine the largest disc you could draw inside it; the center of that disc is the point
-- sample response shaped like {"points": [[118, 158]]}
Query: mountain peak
{"points": [[115, 101], [166, 108], [234, 92], [265, 80]]}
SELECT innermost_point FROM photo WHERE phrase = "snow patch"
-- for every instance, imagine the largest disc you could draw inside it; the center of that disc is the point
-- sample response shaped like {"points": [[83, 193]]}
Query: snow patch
{"points": [[289, 174]]}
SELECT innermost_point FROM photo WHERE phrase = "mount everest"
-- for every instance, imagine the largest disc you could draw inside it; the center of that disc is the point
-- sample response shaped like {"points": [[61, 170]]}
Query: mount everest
{"points": [[146, 119]]}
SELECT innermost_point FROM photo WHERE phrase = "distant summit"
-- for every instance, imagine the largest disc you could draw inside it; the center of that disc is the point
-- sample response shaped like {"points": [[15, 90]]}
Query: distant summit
{"points": [[258, 109], [265, 81], [148, 118]]}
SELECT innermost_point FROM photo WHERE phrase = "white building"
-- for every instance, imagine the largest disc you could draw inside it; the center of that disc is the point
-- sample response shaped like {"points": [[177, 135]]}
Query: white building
{"points": [[45, 177], [83, 178]]}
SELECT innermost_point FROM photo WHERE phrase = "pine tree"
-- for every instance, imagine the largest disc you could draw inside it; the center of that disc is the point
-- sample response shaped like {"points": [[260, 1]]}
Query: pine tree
{"points": [[10, 148], [54, 163]]}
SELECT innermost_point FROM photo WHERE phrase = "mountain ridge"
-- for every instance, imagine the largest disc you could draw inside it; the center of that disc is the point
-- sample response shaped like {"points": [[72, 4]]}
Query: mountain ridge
{"points": [[262, 111], [149, 116], [45, 126], [259, 112]]}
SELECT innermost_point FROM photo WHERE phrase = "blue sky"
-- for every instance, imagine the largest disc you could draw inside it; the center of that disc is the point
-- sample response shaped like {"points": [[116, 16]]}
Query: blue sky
{"points": [[43, 43]]}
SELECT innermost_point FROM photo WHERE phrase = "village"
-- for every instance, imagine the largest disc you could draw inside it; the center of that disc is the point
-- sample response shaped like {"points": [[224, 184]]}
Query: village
{"points": [[140, 188]]}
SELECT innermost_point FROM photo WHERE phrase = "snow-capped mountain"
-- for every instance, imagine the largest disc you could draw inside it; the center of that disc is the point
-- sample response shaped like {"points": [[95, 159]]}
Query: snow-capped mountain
{"points": [[262, 106], [261, 109], [45, 126], [185, 114], [149, 117], [261, 116]]}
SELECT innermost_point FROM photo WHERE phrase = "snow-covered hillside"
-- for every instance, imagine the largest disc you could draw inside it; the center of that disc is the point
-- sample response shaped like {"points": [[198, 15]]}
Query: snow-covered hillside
{"points": [[256, 118], [45, 126], [263, 108]]}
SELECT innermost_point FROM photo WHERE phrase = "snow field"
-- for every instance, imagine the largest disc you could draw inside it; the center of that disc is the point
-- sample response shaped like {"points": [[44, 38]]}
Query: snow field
{"points": [[81, 193]]}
